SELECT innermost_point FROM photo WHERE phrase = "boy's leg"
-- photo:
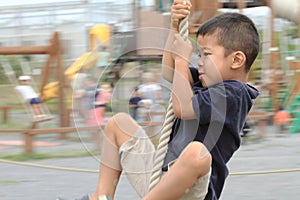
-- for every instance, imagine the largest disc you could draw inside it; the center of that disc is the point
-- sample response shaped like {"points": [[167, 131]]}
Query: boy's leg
{"points": [[193, 163], [118, 130]]}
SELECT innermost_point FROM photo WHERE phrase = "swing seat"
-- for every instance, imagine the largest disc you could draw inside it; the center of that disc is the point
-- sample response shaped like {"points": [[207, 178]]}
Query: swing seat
{"points": [[42, 118]]}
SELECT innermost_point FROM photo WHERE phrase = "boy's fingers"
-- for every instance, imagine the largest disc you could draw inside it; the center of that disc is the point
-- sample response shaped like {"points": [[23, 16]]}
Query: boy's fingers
{"points": [[178, 12], [181, 48], [178, 2], [184, 2], [181, 11], [177, 17], [181, 7]]}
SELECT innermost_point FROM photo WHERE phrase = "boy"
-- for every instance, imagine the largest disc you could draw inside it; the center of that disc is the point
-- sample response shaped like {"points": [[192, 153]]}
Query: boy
{"points": [[209, 114], [31, 97]]}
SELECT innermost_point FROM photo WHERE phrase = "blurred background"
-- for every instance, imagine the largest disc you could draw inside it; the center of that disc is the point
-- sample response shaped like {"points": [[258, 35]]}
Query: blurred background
{"points": [[62, 43], [89, 59]]}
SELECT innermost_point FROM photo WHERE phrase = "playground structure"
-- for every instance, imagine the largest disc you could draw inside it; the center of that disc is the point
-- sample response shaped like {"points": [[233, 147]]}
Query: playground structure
{"points": [[284, 81], [54, 51], [57, 89], [139, 49], [54, 89]]}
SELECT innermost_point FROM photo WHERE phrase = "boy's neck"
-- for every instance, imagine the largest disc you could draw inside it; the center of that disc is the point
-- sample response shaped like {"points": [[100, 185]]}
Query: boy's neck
{"points": [[239, 75]]}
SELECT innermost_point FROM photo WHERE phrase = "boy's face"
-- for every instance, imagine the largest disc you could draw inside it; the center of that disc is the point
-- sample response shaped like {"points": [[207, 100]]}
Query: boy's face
{"points": [[213, 66]]}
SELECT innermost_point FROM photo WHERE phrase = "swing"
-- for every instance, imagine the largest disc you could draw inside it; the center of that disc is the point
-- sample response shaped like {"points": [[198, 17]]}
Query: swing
{"points": [[167, 127], [43, 111]]}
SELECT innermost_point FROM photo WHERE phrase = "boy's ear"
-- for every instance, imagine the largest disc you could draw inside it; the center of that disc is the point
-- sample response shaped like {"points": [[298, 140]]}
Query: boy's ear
{"points": [[239, 60]]}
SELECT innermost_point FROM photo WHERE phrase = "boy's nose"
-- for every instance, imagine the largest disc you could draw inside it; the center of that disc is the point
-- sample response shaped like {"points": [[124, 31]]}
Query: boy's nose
{"points": [[200, 63]]}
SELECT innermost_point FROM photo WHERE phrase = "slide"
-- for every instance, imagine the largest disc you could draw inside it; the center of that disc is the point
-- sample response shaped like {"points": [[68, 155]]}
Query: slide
{"points": [[85, 62]]}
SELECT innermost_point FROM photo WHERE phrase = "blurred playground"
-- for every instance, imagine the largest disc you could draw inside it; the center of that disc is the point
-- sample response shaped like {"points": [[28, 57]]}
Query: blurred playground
{"points": [[60, 47], [119, 57]]}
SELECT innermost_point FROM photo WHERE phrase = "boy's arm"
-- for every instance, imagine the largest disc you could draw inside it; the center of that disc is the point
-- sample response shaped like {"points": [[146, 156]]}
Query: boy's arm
{"points": [[181, 88], [179, 11], [167, 59]]}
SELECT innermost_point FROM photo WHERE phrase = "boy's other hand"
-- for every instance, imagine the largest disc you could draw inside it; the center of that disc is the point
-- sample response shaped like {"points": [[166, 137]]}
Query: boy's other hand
{"points": [[179, 10], [181, 49]]}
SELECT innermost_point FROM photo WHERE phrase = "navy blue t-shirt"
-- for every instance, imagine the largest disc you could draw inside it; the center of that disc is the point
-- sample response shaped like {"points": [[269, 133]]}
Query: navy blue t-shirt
{"points": [[221, 111]]}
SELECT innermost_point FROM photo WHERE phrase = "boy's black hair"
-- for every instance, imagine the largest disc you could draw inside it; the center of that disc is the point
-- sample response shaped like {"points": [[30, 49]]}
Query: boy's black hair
{"points": [[235, 32]]}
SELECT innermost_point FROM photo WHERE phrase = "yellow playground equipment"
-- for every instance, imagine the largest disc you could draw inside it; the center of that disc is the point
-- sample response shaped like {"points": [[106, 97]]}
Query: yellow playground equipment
{"points": [[98, 34]]}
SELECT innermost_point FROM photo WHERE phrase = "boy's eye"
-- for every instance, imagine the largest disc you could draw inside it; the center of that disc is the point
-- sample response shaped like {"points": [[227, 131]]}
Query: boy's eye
{"points": [[206, 54]]}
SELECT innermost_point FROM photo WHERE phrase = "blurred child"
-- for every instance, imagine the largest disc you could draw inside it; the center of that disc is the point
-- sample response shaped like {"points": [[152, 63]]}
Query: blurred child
{"points": [[142, 113], [101, 100], [97, 113], [282, 119], [31, 97], [150, 89], [133, 102]]}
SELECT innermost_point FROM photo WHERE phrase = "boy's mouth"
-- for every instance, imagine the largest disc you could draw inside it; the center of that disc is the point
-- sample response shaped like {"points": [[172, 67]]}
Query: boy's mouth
{"points": [[200, 74], [201, 78]]}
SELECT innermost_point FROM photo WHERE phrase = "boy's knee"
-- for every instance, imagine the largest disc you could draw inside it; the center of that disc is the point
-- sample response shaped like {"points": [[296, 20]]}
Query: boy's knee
{"points": [[116, 120], [198, 157], [121, 123]]}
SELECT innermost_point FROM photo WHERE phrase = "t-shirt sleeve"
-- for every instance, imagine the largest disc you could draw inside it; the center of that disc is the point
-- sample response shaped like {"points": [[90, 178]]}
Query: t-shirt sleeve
{"points": [[202, 102], [213, 104]]}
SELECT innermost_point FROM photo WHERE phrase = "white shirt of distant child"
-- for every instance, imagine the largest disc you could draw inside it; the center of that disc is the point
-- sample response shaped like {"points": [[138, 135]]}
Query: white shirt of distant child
{"points": [[26, 91]]}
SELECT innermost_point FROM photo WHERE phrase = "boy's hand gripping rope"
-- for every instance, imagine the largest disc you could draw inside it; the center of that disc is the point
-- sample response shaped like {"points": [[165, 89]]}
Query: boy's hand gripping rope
{"points": [[167, 126]]}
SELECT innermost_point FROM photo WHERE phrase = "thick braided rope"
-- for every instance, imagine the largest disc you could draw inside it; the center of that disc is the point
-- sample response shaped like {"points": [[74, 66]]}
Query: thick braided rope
{"points": [[162, 146], [167, 126], [184, 28]]}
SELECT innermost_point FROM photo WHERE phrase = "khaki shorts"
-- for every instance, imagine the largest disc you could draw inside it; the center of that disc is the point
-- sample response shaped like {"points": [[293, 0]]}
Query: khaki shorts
{"points": [[137, 158]]}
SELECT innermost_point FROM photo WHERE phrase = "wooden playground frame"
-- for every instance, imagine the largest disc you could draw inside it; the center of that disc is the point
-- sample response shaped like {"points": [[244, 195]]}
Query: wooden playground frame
{"points": [[31, 132], [54, 50]]}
